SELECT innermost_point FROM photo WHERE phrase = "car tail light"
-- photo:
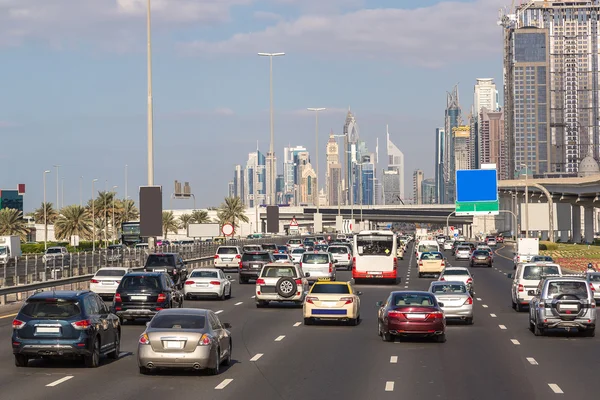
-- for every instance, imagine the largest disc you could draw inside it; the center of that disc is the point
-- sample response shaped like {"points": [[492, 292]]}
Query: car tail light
{"points": [[420, 263], [443, 264], [442, 278], [238, 256], [216, 283], [117, 297], [395, 263], [470, 280], [216, 256], [347, 300], [348, 256], [175, 271], [300, 264], [330, 268], [82, 325], [395, 314], [94, 281], [144, 339], [241, 265], [298, 281], [311, 299], [162, 298], [521, 288], [205, 340], [592, 288], [469, 301], [189, 282], [17, 324], [260, 281], [118, 282], [435, 315]]}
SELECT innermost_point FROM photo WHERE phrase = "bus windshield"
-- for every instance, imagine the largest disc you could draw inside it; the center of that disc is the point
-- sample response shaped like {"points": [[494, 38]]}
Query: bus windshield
{"points": [[374, 245]]}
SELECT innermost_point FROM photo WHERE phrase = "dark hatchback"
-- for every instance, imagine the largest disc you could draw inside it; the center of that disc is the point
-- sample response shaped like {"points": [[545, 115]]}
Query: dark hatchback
{"points": [[170, 263], [65, 324], [143, 294], [252, 263], [481, 257]]}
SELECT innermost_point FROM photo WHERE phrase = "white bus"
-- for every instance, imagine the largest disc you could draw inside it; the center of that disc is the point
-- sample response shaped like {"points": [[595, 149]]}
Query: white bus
{"points": [[375, 256]]}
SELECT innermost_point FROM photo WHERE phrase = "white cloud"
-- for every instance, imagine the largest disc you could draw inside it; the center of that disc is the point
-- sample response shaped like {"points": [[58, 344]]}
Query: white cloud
{"points": [[429, 36], [303, 112], [266, 15]]}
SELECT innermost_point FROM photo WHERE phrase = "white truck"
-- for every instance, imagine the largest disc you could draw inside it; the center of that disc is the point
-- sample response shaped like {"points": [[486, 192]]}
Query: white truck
{"points": [[10, 247], [526, 248]]}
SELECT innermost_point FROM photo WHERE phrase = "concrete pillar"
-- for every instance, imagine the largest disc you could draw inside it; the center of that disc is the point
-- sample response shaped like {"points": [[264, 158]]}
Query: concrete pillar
{"points": [[564, 236], [588, 221], [545, 235], [576, 223]]}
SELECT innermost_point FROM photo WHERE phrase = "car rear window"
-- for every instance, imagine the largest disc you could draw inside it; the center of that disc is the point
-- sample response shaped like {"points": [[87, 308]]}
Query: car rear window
{"points": [[535, 272], [279, 272], [338, 250], [315, 259], [331, 289], [481, 253], [204, 274], [110, 272], [594, 278], [321, 247], [542, 259], [158, 260], [51, 309], [295, 241], [140, 282], [53, 251], [174, 321], [455, 272], [431, 256], [298, 251], [227, 250], [281, 256], [269, 247], [449, 288], [407, 299], [578, 289], [256, 257], [463, 248], [252, 248], [427, 247]]}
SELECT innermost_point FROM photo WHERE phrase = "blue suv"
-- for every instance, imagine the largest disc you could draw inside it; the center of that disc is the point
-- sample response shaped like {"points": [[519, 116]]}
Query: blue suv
{"points": [[65, 324]]}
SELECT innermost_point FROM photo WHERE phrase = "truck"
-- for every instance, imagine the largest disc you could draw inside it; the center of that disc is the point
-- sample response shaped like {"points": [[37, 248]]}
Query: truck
{"points": [[10, 247], [526, 248]]}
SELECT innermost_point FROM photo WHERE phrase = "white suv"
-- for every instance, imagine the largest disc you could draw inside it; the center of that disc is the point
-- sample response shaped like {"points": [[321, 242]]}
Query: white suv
{"points": [[228, 257], [527, 278], [281, 283], [320, 266], [342, 255]]}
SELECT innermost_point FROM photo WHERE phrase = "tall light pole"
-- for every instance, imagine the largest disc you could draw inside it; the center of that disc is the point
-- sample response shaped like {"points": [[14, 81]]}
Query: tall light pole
{"points": [[271, 179], [316, 110], [126, 196], [62, 192], [45, 214], [105, 211], [150, 106], [93, 216], [57, 190], [526, 201], [81, 191], [113, 213]]}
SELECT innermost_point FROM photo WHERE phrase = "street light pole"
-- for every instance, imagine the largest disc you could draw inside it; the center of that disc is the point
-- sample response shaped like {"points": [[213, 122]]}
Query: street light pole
{"points": [[150, 101], [526, 201], [45, 214], [81, 191], [93, 217], [316, 110], [57, 191], [126, 196], [62, 192], [113, 214], [272, 177]]}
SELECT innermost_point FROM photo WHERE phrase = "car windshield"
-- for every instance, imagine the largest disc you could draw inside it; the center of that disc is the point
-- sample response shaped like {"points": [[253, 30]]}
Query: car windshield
{"points": [[227, 250], [269, 247], [331, 289], [281, 256], [174, 321], [481, 253], [157, 260], [463, 248], [594, 277], [427, 247], [256, 257], [534, 272], [315, 259], [541, 259], [110, 272], [375, 245], [252, 248], [449, 288], [578, 289], [432, 256], [140, 282], [51, 308], [456, 272], [338, 250], [204, 274], [410, 299], [298, 251], [53, 250], [279, 272]]}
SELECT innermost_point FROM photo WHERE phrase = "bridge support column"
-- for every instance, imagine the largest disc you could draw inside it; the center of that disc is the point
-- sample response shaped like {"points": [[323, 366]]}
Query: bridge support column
{"points": [[576, 223], [588, 223]]}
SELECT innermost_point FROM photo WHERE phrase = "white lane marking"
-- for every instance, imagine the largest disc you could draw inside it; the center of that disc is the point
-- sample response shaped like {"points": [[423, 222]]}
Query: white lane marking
{"points": [[297, 324], [479, 298], [555, 388], [238, 303], [389, 386], [223, 384], [405, 286], [484, 306], [61, 380], [253, 297], [393, 359], [218, 312], [279, 338], [501, 326], [504, 273], [532, 361], [257, 357], [515, 341], [493, 315]]}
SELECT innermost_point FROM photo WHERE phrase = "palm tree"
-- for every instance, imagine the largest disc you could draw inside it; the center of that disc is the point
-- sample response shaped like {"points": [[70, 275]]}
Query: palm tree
{"points": [[12, 223], [200, 217], [185, 220], [232, 210], [128, 211], [103, 208], [169, 224], [73, 221], [51, 216]]}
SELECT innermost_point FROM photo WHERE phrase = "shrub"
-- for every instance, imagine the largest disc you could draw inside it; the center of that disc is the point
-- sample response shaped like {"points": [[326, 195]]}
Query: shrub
{"points": [[548, 246]]}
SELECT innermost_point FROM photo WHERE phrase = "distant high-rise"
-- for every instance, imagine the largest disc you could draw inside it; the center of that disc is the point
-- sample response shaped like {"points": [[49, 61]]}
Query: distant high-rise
{"points": [[367, 180], [440, 156], [493, 142], [231, 189], [255, 180], [238, 182], [308, 190], [452, 120], [396, 161], [461, 136], [428, 190], [391, 187], [351, 156], [418, 177], [333, 179], [485, 95]]}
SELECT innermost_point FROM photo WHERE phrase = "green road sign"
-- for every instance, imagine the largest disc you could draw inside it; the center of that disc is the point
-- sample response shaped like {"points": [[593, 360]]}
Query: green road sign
{"points": [[477, 208]]}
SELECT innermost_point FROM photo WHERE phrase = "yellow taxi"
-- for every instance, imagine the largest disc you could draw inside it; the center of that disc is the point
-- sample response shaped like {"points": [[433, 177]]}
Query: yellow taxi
{"points": [[332, 301]]}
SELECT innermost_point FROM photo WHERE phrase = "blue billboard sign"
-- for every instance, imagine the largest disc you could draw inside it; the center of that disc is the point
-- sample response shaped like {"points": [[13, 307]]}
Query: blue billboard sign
{"points": [[477, 192]]}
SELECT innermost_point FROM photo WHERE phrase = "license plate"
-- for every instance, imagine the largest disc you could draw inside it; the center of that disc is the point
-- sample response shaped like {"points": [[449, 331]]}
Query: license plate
{"points": [[173, 345], [324, 279], [568, 307], [329, 303], [47, 329], [107, 283], [227, 259], [375, 273], [256, 266], [416, 316], [139, 297], [160, 270], [201, 284]]}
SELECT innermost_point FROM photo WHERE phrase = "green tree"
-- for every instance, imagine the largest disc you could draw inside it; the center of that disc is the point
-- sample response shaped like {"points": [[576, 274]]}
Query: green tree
{"points": [[169, 224], [12, 223], [185, 220], [128, 211], [231, 211], [200, 217], [51, 213], [73, 220]]}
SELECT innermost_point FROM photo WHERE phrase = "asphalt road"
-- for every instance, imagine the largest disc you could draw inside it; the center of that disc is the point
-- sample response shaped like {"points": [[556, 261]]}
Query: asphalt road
{"points": [[277, 357]]}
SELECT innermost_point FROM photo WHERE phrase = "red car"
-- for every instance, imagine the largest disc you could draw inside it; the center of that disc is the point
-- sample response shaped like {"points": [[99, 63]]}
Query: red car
{"points": [[411, 313], [499, 239]]}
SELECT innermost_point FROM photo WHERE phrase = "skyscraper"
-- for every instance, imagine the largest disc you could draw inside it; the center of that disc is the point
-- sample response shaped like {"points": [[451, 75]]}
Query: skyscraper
{"points": [[418, 177], [391, 187], [493, 143], [333, 176], [461, 135], [428, 190], [238, 182], [271, 175], [308, 190], [440, 156], [367, 180], [452, 120], [396, 161], [351, 156], [254, 180]]}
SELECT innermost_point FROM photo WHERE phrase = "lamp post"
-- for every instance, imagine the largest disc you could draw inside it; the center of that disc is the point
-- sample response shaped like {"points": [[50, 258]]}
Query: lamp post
{"points": [[81, 191], [62, 192], [57, 190], [316, 110], [126, 173], [113, 214], [93, 217], [272, 177], [526, 201], [45, 214], [150, 101]]}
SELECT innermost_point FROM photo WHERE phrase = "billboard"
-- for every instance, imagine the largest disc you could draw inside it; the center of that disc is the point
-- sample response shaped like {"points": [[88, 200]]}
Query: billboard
{"points": [[539, 216], [272, 219], [150, 211], [477, 192], [203, 230]]}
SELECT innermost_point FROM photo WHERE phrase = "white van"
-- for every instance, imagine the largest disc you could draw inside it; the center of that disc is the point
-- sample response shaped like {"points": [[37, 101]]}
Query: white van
{"points": [[527, 277], [425, 246]]}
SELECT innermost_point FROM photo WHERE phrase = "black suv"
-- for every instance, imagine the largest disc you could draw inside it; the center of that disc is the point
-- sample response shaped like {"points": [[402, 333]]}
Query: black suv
{"points": [[114, 253], [171, 263], [252, 263], [270, 247], [143, 294], [65, 324]]}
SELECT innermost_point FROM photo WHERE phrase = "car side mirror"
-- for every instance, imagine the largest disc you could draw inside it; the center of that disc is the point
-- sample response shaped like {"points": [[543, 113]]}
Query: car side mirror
{"points": [[307, 274], [531, 292], [510, 276], [379, 304], [229, 277], [148, 323], [359, 293], [226, 325], [440, 304]]}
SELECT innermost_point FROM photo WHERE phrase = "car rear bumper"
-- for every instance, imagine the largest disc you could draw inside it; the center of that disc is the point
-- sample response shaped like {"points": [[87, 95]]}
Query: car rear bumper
{"points": [[227, 264], [203, 357], [58, 349], [297, 298], [136, 313], [250, 274], [365, 275], [465, 311], [201, 291], [481, 262], [325, 313], [579, 323]]}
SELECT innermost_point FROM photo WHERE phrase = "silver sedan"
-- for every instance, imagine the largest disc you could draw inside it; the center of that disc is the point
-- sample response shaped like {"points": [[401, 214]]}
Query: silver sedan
{"points": [[455, 300], [185, 338]]}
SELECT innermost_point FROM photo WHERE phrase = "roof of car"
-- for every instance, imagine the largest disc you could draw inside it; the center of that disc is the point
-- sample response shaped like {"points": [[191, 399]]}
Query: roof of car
{"points": [[258, 252], [162, 254], [58, 294], [184, 311], [456, 269], [422, 292], [447, 283], [331, 283], [144, 274]]}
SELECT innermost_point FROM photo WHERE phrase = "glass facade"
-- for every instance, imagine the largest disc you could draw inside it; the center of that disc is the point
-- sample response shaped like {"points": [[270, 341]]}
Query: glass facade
{"points": [[11, 199]]}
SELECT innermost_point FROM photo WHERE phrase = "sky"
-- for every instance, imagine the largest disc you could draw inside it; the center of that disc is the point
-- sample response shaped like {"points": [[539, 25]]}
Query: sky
{"points": [[73, 85]]}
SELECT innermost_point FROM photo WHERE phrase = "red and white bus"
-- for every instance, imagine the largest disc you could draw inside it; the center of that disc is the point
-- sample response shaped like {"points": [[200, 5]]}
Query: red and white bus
{"points": [[375, 256]]}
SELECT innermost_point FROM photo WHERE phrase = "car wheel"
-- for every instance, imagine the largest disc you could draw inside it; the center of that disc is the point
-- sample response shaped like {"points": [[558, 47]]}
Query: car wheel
{"points": [[514, 305], [144, 371], [227, 360], [93, 360], [441, 338], [353, 321], [114, 355], [229, 294], [469, 321], [386, 337], [216, 369], [531, 326], [537, 331], [222, 296], [21, 360], [420, 275], [308, 321], [589, 332], [518, 307]]}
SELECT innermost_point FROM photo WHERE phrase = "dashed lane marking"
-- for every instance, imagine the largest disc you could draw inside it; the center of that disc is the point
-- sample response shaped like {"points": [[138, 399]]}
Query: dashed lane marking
{"points": [[223, 384], [555, 388], [279, 338], [253, 297], [479, 299], [238, 303], [297, 324], [393, 359], [532, 361], [61, 380], [257, 357], [484, 306], [493, 315], [8, 316], [501, 326], [389, 386], [218, 312], [405, 286], [515, 341]]}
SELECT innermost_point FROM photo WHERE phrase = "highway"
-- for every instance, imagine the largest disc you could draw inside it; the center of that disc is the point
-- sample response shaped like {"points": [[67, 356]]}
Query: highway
{"points": [[277, 357]]}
